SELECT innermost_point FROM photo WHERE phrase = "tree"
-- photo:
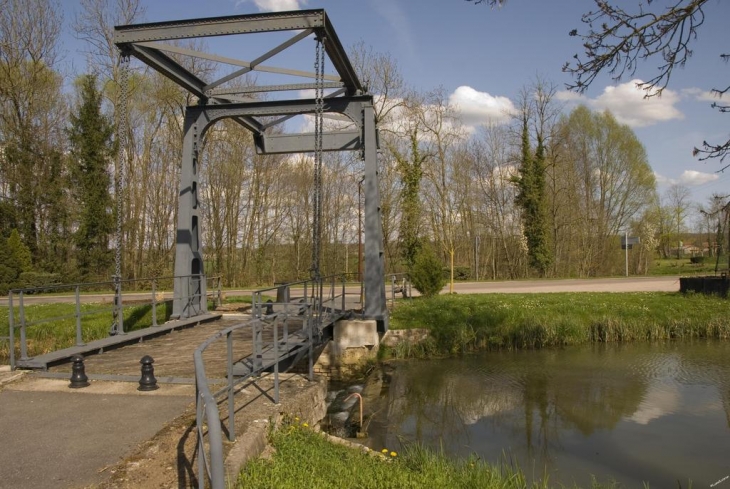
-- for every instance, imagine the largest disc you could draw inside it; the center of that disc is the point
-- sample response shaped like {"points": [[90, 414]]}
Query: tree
{"points": [[677, 200], [618, 40], [92, 149], [611, 182], [426, 274], [531, 196]]}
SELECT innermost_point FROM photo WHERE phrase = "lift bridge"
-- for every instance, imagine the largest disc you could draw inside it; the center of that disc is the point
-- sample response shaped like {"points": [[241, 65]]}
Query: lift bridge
{"points": [[263, 110], [155, 45]]}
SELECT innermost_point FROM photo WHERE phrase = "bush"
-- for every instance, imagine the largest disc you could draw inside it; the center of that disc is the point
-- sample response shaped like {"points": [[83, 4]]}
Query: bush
{"points": [[426, 274], [699, 260], [38, 279]]}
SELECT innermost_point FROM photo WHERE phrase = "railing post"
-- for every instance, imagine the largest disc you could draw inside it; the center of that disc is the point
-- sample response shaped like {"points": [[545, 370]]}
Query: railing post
{"points": [[392, 291], [307, 319], [276, 361], [257, 347], [23, 342], [154, 302], [219, 301], [203, 282], [231, 400], [11, 329], [343, 293], [79, 337]]}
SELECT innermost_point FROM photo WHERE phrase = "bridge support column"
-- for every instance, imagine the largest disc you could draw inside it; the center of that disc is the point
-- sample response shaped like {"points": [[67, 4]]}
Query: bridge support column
{"points": [[375, 306], [188, 298]]}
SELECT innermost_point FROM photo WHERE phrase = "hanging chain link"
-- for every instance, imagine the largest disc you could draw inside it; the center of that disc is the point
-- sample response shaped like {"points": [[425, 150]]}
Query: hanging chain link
{"points": [[122, 152], [318, 139], [121, 155]]}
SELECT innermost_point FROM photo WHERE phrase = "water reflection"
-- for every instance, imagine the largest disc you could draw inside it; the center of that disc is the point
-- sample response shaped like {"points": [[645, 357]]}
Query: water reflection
{"points": [[657, 413]]}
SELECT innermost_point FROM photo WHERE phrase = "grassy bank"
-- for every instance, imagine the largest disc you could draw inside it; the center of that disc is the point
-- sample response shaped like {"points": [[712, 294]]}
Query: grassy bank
{"points": [[466, 323], [304, 458]]}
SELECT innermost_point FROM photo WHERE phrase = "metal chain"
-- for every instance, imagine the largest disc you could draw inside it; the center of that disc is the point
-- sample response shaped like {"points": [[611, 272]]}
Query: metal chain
{"points": [[122, 123], [318, 138], [121, 155]]}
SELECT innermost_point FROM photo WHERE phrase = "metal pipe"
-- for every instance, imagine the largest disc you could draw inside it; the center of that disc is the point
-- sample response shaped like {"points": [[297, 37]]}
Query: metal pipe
{"points": [[276, 361], [343, 294], [79, 338], [23, 342], [154, 302], [11, 329], [231, 401], [355, 394]]}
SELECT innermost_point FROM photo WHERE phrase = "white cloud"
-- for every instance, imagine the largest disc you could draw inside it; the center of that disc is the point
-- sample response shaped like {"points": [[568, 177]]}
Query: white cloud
{"points": [[275, 5], [480, 107], [690, 178], [701, 95], [628, 103]]}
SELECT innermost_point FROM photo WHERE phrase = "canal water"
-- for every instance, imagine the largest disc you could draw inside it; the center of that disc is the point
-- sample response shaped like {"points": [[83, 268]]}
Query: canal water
{"points": [[635, 413]]}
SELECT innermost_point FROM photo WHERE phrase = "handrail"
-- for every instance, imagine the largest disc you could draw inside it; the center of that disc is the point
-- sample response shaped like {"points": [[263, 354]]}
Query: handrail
{"points": [[115, 308], [211, 464]]}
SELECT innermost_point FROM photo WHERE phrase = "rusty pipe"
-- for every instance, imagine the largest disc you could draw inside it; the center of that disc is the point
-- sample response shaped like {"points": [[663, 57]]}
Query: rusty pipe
{"points": [[359, 397]]}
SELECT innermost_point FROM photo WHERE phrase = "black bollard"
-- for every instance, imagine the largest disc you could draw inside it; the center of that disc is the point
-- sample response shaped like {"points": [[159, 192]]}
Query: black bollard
{"points": [[78, 373], [269, 307], [148, 382]]}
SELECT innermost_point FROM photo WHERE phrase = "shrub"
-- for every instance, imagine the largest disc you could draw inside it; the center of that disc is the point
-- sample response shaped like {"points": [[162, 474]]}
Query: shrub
{"points": [[426, 273]]}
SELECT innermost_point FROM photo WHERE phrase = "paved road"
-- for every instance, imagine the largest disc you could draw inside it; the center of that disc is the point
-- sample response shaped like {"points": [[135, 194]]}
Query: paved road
{"points": [[630, 284]]}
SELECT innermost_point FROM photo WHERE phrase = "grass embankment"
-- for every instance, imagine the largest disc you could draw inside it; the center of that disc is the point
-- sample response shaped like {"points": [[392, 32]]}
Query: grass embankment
{"points": [[684, 266], [459, 324], [57, 324], [304, 458]]}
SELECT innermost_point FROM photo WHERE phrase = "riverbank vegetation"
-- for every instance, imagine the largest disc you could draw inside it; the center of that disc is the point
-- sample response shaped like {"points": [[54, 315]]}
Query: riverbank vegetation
{"points": [[465, 323], [305, 458]]}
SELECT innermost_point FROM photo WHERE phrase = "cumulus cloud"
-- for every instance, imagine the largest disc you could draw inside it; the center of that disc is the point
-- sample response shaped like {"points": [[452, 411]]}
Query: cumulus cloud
{"points": [[275, 5], [690, 178], [628, 103], [480, 107]]}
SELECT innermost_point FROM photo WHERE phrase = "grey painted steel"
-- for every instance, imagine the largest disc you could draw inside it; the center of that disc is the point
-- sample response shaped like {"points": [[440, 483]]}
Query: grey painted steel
{"points": [[11, 330], [253, 64], [273, 88], [147, 43], [246, 24], [375, 306]]}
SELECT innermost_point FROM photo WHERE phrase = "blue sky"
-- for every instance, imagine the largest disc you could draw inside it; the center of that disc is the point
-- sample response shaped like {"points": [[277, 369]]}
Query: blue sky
{"points": [[482, 57]]}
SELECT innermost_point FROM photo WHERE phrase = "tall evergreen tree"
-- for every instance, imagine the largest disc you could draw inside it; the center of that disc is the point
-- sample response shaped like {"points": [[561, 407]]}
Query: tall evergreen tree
{"points": [[92, 148], [531, 198]]}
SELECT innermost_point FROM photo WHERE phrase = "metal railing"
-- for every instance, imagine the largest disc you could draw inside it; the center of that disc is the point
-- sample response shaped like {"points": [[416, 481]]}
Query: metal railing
{"points": [[305, 301], [400, 283], [83, 314]]}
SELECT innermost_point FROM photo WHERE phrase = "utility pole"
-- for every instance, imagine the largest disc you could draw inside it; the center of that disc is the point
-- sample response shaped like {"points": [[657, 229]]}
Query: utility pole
{"points": [[626, 249]]}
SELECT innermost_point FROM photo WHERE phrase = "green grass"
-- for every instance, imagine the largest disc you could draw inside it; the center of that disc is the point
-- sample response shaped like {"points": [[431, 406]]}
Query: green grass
{"points": [[465, 323], [304, 458], [57, 326], [683, 266]]}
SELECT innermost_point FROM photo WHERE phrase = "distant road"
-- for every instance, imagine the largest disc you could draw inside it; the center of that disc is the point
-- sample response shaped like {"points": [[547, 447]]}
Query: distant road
{"points": [[630, 284]]}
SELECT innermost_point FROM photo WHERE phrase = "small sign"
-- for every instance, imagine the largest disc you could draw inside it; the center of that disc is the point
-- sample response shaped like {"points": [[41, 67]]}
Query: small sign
{"points": [[632, 240]]}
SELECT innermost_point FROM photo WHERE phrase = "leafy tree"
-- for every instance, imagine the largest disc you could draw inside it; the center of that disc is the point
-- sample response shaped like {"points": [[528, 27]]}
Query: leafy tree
{"points": [[531, 197], [427, 274], [92, 148]]}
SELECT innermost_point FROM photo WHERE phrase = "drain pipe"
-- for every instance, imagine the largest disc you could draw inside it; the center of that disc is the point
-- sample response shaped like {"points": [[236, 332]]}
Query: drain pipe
{"points": [[360, 398]]}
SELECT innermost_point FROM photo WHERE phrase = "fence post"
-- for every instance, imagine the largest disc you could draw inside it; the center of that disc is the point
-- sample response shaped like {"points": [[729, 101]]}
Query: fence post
{"points": [[307, 319], [79, 337], [11, 329], [23, 342], [231, 400], [120, 305], [392, 291], [154, 302]]}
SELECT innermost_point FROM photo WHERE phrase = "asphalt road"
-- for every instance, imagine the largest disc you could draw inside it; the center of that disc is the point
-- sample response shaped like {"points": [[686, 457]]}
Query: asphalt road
{"points": [[626, 284]]}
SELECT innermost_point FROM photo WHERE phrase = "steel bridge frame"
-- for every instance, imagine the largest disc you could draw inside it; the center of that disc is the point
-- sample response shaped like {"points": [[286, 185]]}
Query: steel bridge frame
{"points": [[146, 42]]}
